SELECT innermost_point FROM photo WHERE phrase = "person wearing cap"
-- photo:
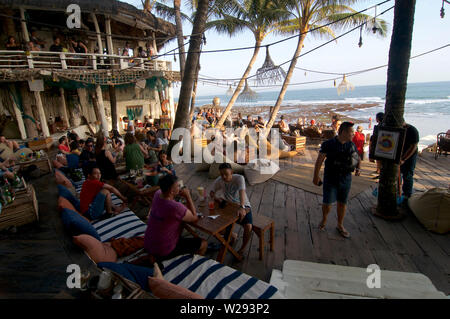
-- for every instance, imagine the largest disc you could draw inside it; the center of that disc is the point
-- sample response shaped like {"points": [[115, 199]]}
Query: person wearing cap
{"points": [[341, 158]]}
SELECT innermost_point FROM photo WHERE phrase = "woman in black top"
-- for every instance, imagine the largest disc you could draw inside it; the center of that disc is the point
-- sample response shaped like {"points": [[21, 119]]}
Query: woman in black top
{"points": [[105, 160]]}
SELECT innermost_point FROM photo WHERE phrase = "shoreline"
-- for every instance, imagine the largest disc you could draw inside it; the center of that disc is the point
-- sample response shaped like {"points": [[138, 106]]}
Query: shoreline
{"points": [[321, 113]]}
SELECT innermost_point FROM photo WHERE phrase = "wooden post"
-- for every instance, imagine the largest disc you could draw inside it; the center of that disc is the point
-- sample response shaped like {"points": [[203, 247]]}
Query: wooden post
{"points": [[155, 48], [99, 37], [26, 36], [113, 101], [171, 103], [64, 107], [109, 42], [42, 118], [101, 109]]}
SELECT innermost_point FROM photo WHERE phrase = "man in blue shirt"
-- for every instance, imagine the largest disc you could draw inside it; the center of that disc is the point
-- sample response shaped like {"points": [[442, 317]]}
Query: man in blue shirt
{"points": [[341, 160]]}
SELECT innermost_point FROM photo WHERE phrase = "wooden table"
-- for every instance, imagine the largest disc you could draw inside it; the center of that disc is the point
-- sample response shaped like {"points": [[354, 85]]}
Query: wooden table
{"points": [[145, 195], [227, 218], [43, 163]]}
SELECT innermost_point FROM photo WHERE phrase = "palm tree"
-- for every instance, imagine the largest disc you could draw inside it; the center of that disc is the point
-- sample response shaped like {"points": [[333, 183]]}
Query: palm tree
{"points": [[399, 55], [182, 115], [308, 15], [261, 17]]}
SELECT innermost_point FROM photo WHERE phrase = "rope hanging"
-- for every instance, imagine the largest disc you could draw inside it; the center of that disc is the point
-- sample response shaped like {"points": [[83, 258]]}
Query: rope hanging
{"points": [[269, 73], [247, 95]]}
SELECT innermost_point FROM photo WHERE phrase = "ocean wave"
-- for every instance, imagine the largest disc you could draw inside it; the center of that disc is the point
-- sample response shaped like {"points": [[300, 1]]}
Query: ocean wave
{"points": [[425, 101]]}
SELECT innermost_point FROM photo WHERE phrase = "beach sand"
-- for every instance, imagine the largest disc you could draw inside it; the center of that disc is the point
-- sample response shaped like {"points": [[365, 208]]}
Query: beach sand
{"points": [[321, 113]]}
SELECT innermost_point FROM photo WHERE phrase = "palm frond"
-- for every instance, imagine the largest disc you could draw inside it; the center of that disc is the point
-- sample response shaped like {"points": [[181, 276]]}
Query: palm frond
{"points": [[168, 13], [228, 25]]}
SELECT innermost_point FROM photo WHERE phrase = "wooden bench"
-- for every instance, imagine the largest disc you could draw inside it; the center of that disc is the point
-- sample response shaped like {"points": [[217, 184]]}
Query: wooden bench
{"points": [[260, 225]]}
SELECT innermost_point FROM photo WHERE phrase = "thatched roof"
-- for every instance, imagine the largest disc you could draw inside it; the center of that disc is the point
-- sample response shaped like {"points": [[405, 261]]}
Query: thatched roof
{"points": [[116, 9]]}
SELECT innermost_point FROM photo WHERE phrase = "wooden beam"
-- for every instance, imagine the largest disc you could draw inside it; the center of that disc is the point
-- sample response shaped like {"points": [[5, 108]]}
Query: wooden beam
{"points": [[113, 102], [26, 36], [19, 119], [42, 118], [101, 109], [27, 104]]}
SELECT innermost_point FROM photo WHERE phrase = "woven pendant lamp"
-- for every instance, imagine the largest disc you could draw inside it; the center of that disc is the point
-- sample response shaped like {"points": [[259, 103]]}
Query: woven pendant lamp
{"points": [[269, 73], [247, 95], [230, 91], [344, 86]]}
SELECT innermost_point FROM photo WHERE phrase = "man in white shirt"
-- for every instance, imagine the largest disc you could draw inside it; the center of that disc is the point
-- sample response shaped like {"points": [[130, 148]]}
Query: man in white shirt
{"points": [[233, 187]]}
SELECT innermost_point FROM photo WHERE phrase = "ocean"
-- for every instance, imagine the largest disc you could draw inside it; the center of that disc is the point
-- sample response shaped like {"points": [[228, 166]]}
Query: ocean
{"points": [[427, 105]]}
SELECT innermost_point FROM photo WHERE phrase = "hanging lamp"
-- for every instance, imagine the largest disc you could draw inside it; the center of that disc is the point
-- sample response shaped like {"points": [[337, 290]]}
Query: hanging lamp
{"points": [[229, 91], [360, 43], [247, 94], [344, 86], [269, 73]]}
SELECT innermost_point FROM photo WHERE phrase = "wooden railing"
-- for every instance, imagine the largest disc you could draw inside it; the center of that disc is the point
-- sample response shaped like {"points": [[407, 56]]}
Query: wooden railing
{"points": [[77, 61]]}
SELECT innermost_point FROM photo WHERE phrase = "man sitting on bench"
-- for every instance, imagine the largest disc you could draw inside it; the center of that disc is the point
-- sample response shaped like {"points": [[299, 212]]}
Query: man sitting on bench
{"points": [[95, 196], [233, 187]]}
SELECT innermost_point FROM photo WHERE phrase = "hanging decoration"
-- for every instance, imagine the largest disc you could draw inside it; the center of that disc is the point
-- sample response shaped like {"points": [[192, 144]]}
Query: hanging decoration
{"points": [[229, 91], [374, 28], [360, 43], [345, 86], [442, 9], [269, 73], [247, 95]]}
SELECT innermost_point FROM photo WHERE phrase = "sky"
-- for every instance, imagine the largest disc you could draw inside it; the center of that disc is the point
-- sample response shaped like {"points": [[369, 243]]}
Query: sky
{"points": [[343, 56]]}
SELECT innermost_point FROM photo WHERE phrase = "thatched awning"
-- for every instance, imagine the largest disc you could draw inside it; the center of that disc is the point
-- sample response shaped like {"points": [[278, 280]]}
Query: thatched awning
{"points": [[120, 11]]}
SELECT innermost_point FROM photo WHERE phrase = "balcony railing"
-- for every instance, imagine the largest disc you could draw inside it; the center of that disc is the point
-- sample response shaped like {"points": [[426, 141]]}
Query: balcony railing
{"points": [[77, 61]]}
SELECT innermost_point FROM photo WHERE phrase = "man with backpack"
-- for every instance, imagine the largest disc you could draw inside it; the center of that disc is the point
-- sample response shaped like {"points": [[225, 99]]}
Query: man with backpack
{"points": [[341, 160]]}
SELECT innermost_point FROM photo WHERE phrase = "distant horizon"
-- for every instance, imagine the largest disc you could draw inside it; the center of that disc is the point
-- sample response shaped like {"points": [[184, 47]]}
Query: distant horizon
{"points": [[321, 88]]}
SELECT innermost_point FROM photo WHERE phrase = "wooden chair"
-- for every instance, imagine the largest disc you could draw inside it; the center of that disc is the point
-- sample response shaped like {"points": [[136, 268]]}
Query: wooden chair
{"points": [[260, 225]]}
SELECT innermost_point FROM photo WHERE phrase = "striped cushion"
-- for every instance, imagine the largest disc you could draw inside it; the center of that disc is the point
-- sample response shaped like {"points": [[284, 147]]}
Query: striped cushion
{"points": [[124, 225], [213, 280]]}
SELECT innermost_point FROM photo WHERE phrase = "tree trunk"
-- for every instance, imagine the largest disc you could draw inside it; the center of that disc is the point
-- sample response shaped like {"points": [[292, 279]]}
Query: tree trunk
{"points": [[193, 57], [180, 39], [194, 93], [399, 55], [113, 102], [287, 80], [240, 85]]}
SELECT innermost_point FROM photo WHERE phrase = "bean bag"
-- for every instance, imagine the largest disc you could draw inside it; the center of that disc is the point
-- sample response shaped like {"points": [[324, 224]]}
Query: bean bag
{"points": [[432, 209], [26, 151], [75, 224], [260, 170]]}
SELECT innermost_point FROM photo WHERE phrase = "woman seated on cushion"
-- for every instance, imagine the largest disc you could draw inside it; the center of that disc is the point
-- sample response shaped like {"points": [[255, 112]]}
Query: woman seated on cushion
{"points": [[75, 148], [165, 167], [105, 159], [95, 196], [63, 146], [162, 238], [11, 144], [133, 153]]}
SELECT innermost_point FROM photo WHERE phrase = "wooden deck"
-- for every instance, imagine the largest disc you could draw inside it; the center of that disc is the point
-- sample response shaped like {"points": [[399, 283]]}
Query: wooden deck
{"points": [[33, 260], [399, 246]]}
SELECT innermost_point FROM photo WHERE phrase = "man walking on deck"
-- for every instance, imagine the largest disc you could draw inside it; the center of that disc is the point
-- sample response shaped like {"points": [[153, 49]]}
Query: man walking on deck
{"points": [[341, 160], [408, 159]]}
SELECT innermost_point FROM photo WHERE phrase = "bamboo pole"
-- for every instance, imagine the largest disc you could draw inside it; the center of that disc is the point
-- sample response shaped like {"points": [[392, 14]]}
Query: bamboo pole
{"points": [[99, 37]]}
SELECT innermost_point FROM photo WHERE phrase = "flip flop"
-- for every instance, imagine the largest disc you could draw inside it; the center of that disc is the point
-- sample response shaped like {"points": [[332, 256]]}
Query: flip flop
{"points": [[343, 233]]}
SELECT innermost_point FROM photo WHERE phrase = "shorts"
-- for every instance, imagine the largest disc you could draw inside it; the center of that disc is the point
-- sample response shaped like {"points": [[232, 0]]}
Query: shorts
{"points": [[183, 247], [97, 207], [337, 191], [248, 219]]}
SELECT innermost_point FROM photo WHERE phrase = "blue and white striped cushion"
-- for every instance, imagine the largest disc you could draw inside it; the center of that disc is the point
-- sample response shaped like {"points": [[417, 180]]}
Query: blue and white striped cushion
{"points": [[124, 225], [213, 280]]}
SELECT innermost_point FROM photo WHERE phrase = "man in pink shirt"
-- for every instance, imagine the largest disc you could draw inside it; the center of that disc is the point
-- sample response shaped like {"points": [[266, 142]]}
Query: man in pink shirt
{"points": [[165, 223]]}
